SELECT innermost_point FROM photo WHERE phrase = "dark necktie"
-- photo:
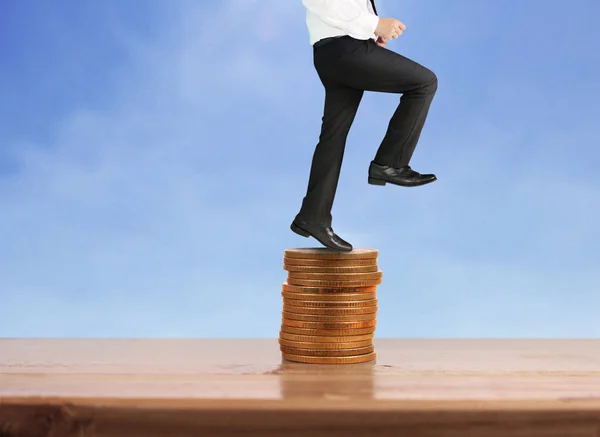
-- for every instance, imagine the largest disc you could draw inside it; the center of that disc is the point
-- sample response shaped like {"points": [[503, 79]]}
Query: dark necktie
{"points": [[374, 8]]}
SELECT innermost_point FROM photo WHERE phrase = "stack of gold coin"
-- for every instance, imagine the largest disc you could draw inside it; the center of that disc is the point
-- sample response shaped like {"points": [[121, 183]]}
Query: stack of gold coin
{"points": [[329, 306]]}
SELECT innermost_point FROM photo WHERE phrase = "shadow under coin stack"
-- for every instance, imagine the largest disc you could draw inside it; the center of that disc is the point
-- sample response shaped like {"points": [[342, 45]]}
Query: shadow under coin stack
{"points": [[329, 306]]}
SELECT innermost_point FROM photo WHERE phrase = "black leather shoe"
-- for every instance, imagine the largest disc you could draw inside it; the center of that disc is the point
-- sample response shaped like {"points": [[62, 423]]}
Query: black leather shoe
{"points": [[323, 235], [404, 176]]}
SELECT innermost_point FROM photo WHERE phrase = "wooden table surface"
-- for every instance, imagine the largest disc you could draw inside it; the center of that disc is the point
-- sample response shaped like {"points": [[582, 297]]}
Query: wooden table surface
{"points": [[131, 387]]}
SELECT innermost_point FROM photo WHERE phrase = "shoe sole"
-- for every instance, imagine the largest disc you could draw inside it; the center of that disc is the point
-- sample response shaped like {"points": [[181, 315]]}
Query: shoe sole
{"points": [[298, 230], [381, 182]]}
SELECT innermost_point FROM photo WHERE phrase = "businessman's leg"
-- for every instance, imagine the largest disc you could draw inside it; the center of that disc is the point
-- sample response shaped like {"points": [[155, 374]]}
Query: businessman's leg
{"points": [[341, 104], [374, 68]]}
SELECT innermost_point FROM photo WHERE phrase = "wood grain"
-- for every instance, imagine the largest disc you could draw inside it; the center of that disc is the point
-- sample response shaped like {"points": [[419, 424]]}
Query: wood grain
{"points": [[417, 388]]}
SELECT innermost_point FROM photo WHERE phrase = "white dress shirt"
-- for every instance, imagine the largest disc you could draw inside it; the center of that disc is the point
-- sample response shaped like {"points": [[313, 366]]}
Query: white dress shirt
{"points": [[326, 18]]}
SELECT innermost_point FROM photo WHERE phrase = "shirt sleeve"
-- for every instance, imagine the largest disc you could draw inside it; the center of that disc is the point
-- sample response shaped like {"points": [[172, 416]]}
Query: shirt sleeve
{"points": [[345, 15]]}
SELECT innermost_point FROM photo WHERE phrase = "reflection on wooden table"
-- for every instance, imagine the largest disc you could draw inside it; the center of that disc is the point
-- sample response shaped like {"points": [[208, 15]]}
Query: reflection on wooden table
{"points": [[221, 387]]}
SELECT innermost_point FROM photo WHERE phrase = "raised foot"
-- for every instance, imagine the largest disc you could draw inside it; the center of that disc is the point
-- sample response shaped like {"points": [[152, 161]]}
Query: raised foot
{"points": [[403, 176], [374, 181]]}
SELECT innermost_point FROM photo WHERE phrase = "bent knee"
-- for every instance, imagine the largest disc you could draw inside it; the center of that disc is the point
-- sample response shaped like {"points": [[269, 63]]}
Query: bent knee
{"points": [[425, 82], [431, 82]]}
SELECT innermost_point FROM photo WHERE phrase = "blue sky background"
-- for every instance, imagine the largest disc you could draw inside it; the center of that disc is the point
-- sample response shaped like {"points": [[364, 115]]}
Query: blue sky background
{"points": [[153, 154]]}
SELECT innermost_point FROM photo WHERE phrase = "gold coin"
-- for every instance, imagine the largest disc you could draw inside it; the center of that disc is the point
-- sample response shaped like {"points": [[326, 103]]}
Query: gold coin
{"points": [[329, 262], [325, 346], [352, 332], [325, 253], [330, 270], [329, 311], [332, 284], [329, 360], [327, 352], [328, 318], [324, 290], [341, 297], [324, 339], [327, 325], [327, 304], [373, 276]]}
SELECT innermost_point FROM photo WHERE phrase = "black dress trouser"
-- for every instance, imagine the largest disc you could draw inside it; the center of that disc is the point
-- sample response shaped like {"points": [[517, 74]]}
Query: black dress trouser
{"points": [[347, 67]]}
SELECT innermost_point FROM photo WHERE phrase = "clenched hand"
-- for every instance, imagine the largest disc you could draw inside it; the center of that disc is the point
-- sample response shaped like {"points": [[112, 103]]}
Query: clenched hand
{"points": [[389, 28], [381, 42]]}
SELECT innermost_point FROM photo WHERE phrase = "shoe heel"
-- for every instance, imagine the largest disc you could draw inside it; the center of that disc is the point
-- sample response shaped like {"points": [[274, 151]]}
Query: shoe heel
{"points": [[374, 181], [299, 231]]}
